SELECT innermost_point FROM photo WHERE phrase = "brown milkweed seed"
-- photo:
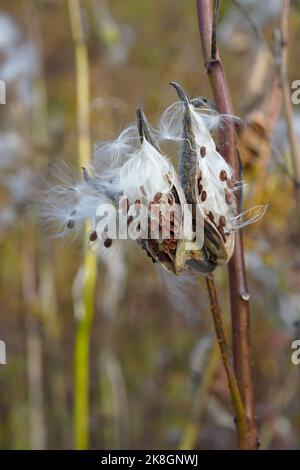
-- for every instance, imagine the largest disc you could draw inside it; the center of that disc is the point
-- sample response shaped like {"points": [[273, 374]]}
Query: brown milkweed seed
{"points": [[223, 175], [222, 221], [70, 223], [200, 187], [202, 151], [107, 242], [203, 196], [93, 236]]}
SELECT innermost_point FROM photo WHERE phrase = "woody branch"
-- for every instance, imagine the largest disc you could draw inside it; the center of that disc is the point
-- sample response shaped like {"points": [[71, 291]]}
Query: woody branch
{"points": [[239, 297]]}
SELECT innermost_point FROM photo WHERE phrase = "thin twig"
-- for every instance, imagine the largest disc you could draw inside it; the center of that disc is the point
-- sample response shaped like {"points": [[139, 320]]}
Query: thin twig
{"points": [[239, 296], [225, 355]]}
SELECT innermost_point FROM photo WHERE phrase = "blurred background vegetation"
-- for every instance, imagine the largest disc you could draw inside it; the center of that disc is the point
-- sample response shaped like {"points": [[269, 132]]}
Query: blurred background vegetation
{"points": [[153, 378]]}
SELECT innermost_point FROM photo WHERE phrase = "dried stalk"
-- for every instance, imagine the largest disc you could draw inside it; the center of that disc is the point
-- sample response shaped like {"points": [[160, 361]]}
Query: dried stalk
{"points": [[281, 58], [239, 296], [89, 267]]}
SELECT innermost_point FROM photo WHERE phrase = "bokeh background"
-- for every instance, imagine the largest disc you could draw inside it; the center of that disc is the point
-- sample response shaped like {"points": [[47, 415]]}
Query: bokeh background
{"points": [[155, 379]]}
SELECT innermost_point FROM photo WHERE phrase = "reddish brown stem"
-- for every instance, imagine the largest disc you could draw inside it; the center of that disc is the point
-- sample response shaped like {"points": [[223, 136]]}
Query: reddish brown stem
{"points": [[239, 297]]}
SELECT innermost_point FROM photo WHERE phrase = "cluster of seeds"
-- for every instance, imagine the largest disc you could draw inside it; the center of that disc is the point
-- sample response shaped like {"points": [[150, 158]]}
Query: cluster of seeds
{"points": [[225, 191], [107, 242], [161, 237]]}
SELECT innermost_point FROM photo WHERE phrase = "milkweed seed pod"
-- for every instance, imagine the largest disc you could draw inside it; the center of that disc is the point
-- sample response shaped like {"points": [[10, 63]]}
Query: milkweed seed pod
{"points": [[165, 194], [132, 190], [207, 180]]}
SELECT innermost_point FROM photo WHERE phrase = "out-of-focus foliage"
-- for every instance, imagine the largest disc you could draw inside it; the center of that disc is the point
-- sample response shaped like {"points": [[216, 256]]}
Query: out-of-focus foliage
{"points": [[148, 338]]}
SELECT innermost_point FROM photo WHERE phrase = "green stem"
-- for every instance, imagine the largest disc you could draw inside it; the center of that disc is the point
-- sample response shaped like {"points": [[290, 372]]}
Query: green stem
{"points": [[82, 353], [83, 330]]}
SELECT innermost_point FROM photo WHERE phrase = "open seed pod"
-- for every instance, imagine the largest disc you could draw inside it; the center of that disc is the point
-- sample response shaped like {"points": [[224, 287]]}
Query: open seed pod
{"points": [[168, 208], [206, 179]]}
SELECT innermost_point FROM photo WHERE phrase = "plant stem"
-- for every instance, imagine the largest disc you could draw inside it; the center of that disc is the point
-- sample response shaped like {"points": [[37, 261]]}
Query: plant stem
{"points": [[239, 296], [225, 355], [82, 353], [89, 266]]}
